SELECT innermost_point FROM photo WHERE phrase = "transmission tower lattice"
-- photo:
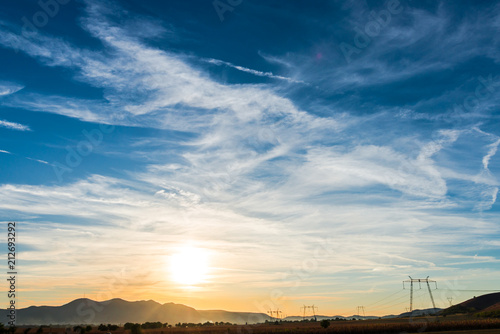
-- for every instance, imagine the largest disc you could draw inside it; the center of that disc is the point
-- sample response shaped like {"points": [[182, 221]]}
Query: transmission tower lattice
{"points": [[277, 312], [311, 307], [419, 281]]}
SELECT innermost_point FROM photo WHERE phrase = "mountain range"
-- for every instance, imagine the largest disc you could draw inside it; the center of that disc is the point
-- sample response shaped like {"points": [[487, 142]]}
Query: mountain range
{"points": [[119, 311]]}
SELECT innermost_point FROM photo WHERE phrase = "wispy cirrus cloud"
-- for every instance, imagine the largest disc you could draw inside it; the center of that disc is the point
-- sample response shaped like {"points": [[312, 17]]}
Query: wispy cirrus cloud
{"points": [[38, 160], [251, 71], [145, 86], [14, 126], [7, 88]]}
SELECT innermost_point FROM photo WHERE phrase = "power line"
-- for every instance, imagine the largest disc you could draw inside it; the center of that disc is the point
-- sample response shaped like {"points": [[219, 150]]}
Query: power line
{"points": [[388, 301], [395, 293], [385, 305], [470, 290], [392, 304]]}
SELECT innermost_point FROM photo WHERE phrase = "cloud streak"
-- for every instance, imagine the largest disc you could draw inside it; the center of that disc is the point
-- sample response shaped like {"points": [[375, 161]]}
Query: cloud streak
{"points": [[7, 88], [254, 72], [14, 126]]}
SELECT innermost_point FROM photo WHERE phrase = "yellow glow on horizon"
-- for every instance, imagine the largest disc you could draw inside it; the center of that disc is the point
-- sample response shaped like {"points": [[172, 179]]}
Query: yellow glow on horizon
{"points": [[189, 266]]}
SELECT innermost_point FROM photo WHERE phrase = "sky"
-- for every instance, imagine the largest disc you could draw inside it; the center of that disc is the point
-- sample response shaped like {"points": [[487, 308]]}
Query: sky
{"points": [[250, 155]]}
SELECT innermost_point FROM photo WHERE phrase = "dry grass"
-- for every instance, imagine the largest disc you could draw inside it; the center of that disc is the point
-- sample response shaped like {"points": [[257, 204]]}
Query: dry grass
{"points": [[414, 325]]}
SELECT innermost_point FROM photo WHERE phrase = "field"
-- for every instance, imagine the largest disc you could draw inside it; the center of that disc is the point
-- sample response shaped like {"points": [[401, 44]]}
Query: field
{"points": [[450, 324], [414, 325]]}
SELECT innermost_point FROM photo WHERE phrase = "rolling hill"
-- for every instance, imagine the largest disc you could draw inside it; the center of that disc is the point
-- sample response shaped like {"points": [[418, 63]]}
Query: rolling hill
{"points": [[488, 302]]}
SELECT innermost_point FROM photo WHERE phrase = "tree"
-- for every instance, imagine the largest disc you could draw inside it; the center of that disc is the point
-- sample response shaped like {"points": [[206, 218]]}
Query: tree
{"points": [[88, 328], [136, 329], [325, 323], [102, 328]]}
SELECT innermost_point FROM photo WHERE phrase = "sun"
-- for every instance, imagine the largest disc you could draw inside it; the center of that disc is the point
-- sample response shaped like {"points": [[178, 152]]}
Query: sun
{"points": [[189, 266]]}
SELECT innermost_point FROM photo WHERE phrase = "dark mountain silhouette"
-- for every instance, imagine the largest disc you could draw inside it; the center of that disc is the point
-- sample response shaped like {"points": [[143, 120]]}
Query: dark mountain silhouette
{"points": [[119, 311], [488, 302]]}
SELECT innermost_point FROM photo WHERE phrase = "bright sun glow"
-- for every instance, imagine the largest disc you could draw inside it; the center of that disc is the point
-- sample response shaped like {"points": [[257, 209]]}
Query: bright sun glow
{"points": [[189, 266]]}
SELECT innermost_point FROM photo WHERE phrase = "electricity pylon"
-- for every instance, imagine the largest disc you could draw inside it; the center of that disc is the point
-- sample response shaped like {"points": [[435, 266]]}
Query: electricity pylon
{"points": [[420, 280], [312, 307], [359, 309], [450, 299], [277, 312]]}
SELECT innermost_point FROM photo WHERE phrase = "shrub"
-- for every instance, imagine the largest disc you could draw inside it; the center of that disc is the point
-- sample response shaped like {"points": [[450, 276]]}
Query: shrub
{"points": [[325, 323], [136, 329]]}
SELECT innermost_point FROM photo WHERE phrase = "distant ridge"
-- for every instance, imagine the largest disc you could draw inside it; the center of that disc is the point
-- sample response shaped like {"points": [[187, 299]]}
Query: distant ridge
{"points": [[416, 313], [322, 317], [119, 311]]}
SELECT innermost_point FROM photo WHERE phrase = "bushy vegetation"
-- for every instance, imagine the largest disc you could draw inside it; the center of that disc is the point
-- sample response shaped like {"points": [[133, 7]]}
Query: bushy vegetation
{"points": [[325, 323], [108, 327], [146, 325], [151, 325], [136, 329], [489, 314], [205, 324], [81, 329]]}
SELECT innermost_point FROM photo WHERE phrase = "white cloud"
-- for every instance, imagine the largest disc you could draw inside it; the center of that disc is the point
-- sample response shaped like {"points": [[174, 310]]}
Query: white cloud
{"points": [[14, 126], [371, 165], [38, 160], [7, 88], [254, 72], [492, 151]]}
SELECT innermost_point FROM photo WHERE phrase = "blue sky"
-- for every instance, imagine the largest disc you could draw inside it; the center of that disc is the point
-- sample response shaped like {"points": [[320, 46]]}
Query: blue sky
{"points": [[317, 154]]}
